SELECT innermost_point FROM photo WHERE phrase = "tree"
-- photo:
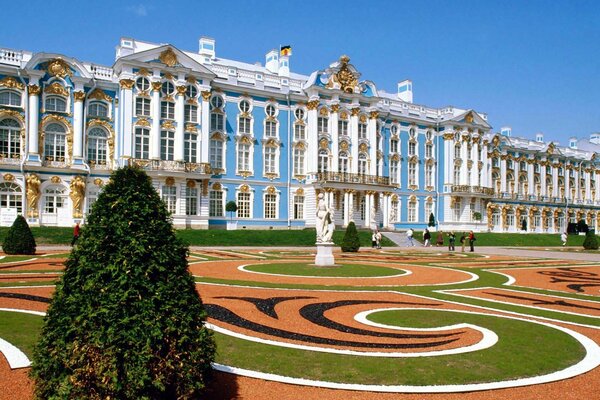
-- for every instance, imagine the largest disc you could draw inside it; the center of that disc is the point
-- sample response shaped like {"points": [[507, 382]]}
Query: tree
{"points": [[19, 239], [431, 220], [477, 216], [126, 321], [351, 242], [231, 207], [591, 241]]}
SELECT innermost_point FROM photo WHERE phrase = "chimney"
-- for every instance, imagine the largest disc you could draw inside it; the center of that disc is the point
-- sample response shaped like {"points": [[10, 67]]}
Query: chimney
{"points": [[125, 47], [272, 61], [539, 137], [506, 131], [573, 142], [405, 91], [207, 47]]}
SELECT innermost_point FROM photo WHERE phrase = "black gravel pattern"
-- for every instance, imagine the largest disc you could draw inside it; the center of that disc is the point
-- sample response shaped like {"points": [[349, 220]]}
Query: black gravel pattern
{"points": [[266, 306], [22, 296]]}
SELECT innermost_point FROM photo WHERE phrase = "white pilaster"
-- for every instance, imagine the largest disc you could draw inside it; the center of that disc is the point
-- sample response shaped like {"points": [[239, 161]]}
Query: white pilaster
{"points": [[386, 210], [204, 141], [34, 117], [78, 96], [346, 208], [312, 137], [354, 138], [127, 107], [530, 180], [464, 168], [503, 183], [333, 125], [367, 221], [180, 119], [155, 128], [372, 135]]}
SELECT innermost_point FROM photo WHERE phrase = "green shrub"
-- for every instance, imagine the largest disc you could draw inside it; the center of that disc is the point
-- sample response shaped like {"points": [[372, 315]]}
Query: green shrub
{"points": [[591, 241], [125, 321], [19, 239], [351, 242], [431, 220]]}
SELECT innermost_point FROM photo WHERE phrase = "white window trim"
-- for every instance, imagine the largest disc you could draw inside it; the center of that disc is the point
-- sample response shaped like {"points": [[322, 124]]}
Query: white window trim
{"points": [[277, 199]]}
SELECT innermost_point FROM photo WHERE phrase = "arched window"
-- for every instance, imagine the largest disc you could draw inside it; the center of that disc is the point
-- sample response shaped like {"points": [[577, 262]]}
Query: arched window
{"points": [[10, 138], [271, 121], [362, 163], [323, 161], [322, 125], [169, 196], [98, 109], [343, 162], [394, 146], [55, 142], [522, 183], [215, 205], [270, 206], [97, 147], [55, 104], [142, 143], [343, 127], [457, 151], [244, 204], [428, 175], [362, 130], [55, 197], [299, 125], [10, 196], [10, 98]]}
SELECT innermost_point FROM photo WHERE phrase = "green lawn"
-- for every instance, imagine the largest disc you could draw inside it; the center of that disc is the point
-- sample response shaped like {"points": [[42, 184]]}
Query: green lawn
{"points": [[344, 270], [21, 330], [511, 239]]}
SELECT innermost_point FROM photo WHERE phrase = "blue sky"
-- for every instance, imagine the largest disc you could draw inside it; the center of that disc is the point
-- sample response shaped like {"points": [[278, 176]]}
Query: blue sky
{"points": [[532, 65]]}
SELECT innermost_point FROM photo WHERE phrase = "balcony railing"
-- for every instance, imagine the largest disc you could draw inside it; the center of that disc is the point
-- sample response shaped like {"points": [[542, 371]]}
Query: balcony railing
{"points": [[15, 159], [472, 190], [174, 166], [345, 177]]}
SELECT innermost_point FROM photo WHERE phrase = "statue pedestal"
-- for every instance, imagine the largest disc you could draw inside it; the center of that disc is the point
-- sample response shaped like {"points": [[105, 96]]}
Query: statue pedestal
{"points": [[324, 257]]}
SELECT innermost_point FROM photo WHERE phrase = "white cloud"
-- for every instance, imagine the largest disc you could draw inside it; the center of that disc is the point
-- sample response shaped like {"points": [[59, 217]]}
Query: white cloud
{"points": [[140, 10]]}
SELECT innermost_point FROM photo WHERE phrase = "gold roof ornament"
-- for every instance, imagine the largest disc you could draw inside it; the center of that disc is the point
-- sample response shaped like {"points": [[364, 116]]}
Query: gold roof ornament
{"points": [[469, 118], [551, 148], [58, 67], [345, 77], [300, 192], [168, 57]]}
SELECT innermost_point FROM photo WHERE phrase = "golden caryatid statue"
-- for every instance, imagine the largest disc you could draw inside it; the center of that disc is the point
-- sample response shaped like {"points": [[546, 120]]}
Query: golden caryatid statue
{"points": [[33, 194], [76, 195]]}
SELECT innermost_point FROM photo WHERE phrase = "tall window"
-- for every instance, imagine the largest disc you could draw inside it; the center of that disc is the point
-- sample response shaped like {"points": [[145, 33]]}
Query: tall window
{"points": [[428, 175], [215, 208], [243, 156], [142, 107], [362, 163], [428, 150], [191, 201], [216, 153], [299, 131], [343, 127], [54, 198], [457, 210], [243, 203], [167, 110], [191, 113], [270, 160], [56, 104], [10, 196], [55, 143], [362, 131], [323, 161], [10, 138], [412, 211], [142, 143], [394, 172], [270, 206], [394, 212], [10, 98], [169, 196], [298, 207], [412, 148], [457, 151], [244, 120], [298, 161], [97, 109], [216, 121], [428, 209], [412, 174], [343, 162], [456, 174], [322, 125], [271, 121], [167, 145], [394, 146], [97, 147], [190, 147]]}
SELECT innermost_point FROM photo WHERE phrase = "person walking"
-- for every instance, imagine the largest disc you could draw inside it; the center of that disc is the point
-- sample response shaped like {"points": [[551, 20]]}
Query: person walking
{"points": [[451, 241], [472, 240], [374, 240], [440, 239], [75, 234], [463, 240], [563, 237], [378, 239], [426, 238], [409, 237]]}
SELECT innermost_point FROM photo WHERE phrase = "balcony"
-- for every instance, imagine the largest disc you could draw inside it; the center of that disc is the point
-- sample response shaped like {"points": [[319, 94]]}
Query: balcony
{"points": [[345, 177], [467, 189], [14, 159], [172, 166]]}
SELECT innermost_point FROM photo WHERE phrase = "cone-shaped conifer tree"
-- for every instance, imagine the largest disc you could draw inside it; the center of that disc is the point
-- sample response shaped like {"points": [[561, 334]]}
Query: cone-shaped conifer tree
{"points": [[125, 321], [351, 241], [19, 239]]}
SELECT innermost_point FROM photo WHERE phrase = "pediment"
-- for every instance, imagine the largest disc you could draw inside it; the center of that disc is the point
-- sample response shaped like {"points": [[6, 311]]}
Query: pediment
{"points": [[169, 56], [342, 76], [471, 117], [57, 65]]}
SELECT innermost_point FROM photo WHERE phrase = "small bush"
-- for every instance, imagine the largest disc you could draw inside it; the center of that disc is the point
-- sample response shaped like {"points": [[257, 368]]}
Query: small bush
{"points": [[431, 220], [351, 242], [19, 239], [582, 226], [591, 241]]}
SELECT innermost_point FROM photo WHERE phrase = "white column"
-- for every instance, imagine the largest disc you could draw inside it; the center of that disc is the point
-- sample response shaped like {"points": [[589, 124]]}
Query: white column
{"points": [[204, 141], [503, 183], [464, 168], [179, 118], [346, 208], [486, 178], [372, 135], [34, 117], [127, 105], [333, 124], [588, 186], [543, 187], [386, 210], [449, 160], [530, 180], [312, 137], [79, 96], [367, 221], [155, 114], [354, 139], [556, 189], [475, 169]]}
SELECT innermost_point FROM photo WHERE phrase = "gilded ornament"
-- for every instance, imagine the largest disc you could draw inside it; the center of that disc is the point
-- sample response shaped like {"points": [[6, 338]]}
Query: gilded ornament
{"points": [[363, 119], [245, 188], [34, 90], [205, 95], [168, 98], [190, 183], [191, 79], [271, 190], [335, 108], [217, 186], [169, 181], [11, 83], [13, 114], [143, 72], [32, 189], [344, 115], [156, 85], [142, 122], [300, 192], [181, 90], [469, 118], [98, 182], [355, 111], [56, 88], [127, 83], [98, 94], [55, 179], [77, 193], [9, 177], [323, 111], [362, 147], [300, 146], [448, 136], [323, 143], [168, 76], [191, 128], [168, 125], [551, 148], [344, 145], [192, 101], [58, 67], [79, 95], [345, 77], [168, 57], [374, 114], [312, 104]]}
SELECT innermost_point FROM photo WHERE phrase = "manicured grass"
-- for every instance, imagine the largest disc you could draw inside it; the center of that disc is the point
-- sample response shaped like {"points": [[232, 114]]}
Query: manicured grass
{"points": [[511, 239], [21, 330], [9, 259], [524, 349], [344, 270], [46, 234]]}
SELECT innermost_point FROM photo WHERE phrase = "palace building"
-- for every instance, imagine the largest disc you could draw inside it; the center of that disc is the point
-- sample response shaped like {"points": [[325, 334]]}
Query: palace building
{"points": [[210, 130]]}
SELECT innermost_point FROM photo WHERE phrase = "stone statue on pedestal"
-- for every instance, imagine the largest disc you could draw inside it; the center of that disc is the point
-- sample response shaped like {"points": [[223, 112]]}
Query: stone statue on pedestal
{"points": [[324, 223]]}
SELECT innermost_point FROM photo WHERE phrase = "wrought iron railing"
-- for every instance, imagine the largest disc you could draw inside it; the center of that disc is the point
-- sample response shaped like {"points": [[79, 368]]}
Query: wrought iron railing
{"points": [[346, 177], [472, 189], [175, 166]]}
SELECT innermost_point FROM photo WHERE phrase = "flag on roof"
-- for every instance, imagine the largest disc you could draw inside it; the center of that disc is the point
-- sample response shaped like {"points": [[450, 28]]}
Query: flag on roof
{"points": [[285, 50]]}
